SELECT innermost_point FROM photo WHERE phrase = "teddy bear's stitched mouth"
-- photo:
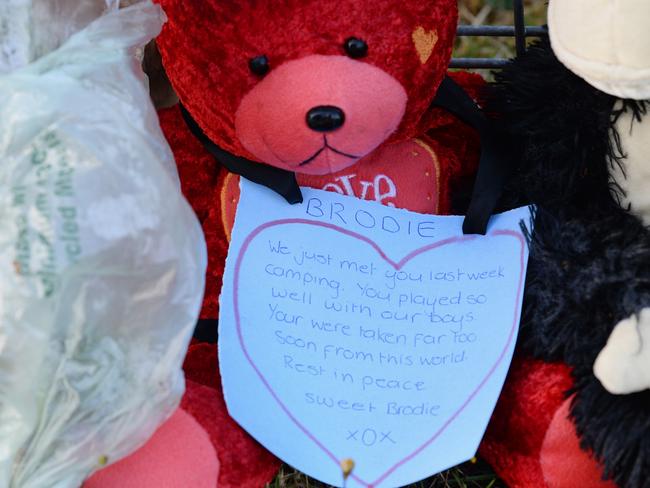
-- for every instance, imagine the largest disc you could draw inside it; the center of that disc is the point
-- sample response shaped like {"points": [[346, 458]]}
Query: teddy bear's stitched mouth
{"points": [[326, 146]]}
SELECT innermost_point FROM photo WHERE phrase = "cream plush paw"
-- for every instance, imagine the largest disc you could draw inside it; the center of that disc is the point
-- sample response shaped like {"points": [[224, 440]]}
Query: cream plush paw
{"points": [[623, 365]]}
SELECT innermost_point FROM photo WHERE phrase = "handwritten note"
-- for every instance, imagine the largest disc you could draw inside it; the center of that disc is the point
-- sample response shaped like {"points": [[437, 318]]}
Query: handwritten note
{"points": [[351, 330]]}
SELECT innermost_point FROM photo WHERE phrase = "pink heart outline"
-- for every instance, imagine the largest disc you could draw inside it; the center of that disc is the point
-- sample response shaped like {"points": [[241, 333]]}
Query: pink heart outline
{"points": [[397, 266]]}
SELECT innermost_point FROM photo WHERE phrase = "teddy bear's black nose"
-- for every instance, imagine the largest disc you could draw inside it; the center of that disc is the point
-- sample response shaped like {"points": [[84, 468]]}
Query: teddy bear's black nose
{"points": [[325, 118]]}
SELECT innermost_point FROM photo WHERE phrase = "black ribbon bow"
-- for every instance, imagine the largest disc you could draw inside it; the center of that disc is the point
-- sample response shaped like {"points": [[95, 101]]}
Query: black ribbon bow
{"points": [[494, 166]]}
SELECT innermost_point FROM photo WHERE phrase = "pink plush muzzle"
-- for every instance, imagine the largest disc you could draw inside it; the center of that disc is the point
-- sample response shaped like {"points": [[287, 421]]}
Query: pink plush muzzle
{"points": [[319, 114]]}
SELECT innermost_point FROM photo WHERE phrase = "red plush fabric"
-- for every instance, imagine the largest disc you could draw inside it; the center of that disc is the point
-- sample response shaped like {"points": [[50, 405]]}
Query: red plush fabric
{"points": [[457, 145], [244, 463], [564, 464], [206, 47], [532, 395], [472, 83], [201, 177], [201, 365], [179, 455]]}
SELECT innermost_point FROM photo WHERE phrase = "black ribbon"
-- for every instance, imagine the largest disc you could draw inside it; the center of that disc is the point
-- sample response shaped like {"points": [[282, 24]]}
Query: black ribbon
{"points": [[279, 180], [494, 166], [496, 161]]}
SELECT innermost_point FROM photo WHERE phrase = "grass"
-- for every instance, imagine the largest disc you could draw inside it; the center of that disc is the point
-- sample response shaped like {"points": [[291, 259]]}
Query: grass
{"points": [[476, 474], [468, 475]]}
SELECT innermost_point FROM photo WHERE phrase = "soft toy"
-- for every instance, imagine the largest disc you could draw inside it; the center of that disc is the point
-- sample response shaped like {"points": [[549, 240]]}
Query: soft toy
{"points": [[330, 94], [576, 408], [338, 93]]}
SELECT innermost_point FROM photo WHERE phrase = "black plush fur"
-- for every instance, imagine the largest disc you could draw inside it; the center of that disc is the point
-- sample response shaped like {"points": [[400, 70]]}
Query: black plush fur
{"points": [[590, 260]]}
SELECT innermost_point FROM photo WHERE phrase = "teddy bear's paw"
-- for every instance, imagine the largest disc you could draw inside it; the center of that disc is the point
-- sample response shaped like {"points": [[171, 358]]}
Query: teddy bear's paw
{"points": [[179, 455], [623, 365], [564, 463]]}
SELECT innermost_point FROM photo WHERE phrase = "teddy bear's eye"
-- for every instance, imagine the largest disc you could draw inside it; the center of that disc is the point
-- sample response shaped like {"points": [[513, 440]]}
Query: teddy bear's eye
{"points": [[355, 47], [259, 65]]}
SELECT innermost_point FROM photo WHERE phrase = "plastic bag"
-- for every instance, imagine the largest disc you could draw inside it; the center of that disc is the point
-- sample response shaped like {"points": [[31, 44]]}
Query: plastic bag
{"points": [[30, 29], [102, 261]]}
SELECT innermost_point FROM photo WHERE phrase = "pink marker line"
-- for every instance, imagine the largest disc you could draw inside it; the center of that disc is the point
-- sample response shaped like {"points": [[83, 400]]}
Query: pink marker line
{"points": [[397, 265]]}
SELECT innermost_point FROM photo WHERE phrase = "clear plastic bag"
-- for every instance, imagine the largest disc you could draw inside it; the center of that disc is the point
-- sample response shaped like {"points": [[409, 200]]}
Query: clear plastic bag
{"points": [[30, 29], [102, 261]]}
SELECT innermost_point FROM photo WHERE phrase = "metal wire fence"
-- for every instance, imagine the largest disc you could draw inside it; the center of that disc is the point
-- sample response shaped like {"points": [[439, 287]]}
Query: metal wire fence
{"points": [[519, 31]]}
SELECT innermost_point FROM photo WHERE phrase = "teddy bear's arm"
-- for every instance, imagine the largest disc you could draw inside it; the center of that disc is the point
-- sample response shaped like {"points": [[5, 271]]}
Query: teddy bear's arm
{"points": [[201, 179], [197, 169], [584, 276], [614, 427]]}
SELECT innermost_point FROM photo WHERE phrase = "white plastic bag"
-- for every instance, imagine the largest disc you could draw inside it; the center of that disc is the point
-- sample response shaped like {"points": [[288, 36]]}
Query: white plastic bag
{"points": [[30, 29], [102, 261]]}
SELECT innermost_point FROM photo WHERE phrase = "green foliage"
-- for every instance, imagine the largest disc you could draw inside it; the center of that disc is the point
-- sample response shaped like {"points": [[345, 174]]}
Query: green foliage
{"points": [[500, 4]]}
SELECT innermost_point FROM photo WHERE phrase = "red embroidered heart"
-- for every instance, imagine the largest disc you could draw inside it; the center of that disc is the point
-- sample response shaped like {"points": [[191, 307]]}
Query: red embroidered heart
{"points": [[403, 175]]}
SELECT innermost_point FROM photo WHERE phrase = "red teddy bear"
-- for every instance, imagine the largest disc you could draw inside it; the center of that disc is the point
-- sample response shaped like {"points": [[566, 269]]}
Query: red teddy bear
{"points": [[329, 94], [337, 92]]}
